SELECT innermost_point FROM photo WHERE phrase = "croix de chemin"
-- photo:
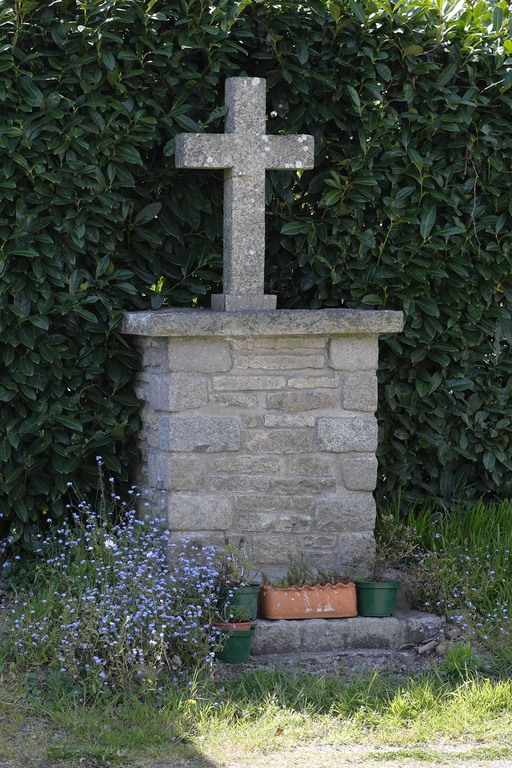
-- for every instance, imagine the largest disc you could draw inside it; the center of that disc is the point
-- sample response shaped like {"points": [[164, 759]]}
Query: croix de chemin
{"points": [[245, 151]]}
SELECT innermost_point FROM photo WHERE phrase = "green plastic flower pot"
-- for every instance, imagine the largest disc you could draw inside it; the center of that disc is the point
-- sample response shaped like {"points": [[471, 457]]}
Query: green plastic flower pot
{"points": [[376, 598], [246, 597], [237, 646]]}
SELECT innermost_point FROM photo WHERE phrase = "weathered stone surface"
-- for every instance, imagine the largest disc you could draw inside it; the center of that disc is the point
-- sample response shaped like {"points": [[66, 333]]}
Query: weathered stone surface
{"points": [[200, 434], [301, 401], [262, 503], [239, 484], [237, 302], [200, 355], [282, 322], [355, 552], [233, 399], [277, 548], [238, 383], [359, 632], [278, 441], [247, 465], [247, 151], [278, 420], [250, 421], [312, 465], [277, 362], [149, 418], [314, 382], [303, 485], [291, 342], [353, 353], [199, 513], [292, 523], [360, 392], [276, 637], [341, 435], [320, 541], [153, 353], [177, 392], [346, 513], [359, 473], [177, 473]]}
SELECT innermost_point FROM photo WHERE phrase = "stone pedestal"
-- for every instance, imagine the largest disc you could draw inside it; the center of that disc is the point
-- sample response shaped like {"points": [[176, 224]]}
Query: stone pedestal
{"points": [[262, 424]]}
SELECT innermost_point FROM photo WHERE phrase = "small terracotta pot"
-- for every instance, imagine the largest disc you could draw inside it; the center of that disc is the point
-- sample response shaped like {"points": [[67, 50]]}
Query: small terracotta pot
{"points": [[230, 626], [332, 601]]}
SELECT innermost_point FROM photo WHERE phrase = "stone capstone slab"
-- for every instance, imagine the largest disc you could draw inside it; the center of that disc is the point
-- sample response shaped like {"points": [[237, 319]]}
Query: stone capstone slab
{"points": [[282, 322], [319, 635]]}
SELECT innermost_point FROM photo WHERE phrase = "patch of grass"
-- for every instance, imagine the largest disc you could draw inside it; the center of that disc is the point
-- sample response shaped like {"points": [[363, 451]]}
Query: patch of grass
{"points": [[259, 712]]}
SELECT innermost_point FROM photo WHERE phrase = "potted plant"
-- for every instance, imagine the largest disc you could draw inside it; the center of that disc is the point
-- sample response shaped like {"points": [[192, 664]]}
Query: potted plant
{"points": [[236, 587], [236, 635], [304, 594], [395, 543]]}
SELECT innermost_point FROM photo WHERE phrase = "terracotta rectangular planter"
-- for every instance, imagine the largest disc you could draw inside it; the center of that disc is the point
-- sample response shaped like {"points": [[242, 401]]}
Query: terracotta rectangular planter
{"points": [[332, 601]]}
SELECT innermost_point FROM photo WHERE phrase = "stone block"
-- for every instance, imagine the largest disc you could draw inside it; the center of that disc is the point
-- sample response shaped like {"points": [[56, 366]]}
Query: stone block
{"points": [[267, 503], [301, 401], [153, 353], [346, 513], [360, 392], [149, 419], [290, 342], [278, 441], [303, 485], [278, 362], [314, 382], [278, 420], [199, 355], [200, 434], [241, 343], [273, 549], [342, 435], [250, 522], [250, 421], [247, 464], [354, 353], [320, 541], [177, 392], [359, 473], [233, 399], [312, 465], [199, 513], [176, 473], [276, 637], [321, 635], [242, 383], [239, 483], [356, 551]]}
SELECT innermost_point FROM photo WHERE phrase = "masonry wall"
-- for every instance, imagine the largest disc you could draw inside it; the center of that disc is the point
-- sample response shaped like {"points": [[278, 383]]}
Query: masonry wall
{"points": [[272, 437]]}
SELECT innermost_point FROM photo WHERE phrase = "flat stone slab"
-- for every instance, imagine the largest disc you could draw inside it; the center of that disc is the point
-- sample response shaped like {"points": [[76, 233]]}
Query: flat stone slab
{"points": [[321, 635], [276, 322]]}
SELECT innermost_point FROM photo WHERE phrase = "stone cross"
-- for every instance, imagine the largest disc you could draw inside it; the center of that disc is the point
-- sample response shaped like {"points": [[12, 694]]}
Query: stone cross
{"points": [[245, 152]]}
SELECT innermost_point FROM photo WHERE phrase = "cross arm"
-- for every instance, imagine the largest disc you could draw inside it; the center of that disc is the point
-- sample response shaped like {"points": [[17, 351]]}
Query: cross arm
{"points": [[203, 150], [290, 152]]}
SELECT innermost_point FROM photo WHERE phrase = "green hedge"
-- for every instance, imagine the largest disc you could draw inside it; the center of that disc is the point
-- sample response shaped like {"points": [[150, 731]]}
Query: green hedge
{"points": [[409, 207]]}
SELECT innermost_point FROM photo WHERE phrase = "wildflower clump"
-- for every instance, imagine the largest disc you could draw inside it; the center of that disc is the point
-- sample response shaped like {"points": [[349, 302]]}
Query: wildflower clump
{"points": [[119, 602]]}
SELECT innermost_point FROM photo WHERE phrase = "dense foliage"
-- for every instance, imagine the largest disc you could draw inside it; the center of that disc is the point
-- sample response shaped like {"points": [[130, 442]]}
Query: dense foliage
{"points": [[409, 207]]}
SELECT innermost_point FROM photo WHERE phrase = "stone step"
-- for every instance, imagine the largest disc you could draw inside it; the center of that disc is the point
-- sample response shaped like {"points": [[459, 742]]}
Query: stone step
{"points": [[407, 628]]}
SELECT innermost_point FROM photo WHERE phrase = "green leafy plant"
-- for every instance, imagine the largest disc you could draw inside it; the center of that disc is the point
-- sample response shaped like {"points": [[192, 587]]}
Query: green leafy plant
{"points": [[234, 613], [396, 547], [407, 208], [233, 565], [300, 574], [459, 662]]}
